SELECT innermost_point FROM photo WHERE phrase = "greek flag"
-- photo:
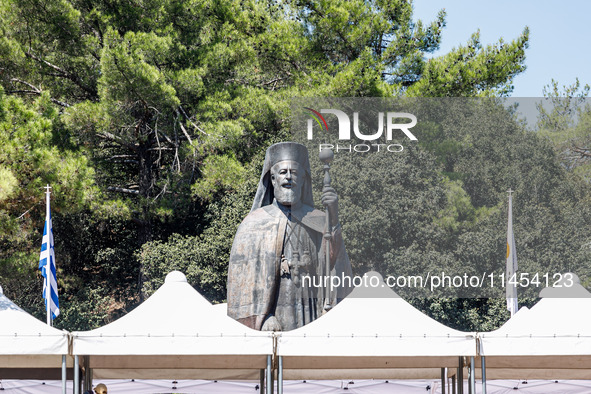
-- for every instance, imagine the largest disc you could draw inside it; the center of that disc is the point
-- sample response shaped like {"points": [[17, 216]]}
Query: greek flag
{"points": [[511, 289], [47, 267]]}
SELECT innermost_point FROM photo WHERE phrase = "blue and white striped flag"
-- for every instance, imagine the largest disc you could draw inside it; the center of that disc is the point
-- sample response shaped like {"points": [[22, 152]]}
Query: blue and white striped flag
{"points": [[47, 264]]}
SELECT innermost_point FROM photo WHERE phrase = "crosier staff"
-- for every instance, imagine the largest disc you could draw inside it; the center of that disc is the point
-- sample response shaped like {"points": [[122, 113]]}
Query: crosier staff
{"points": [[326, 156]]}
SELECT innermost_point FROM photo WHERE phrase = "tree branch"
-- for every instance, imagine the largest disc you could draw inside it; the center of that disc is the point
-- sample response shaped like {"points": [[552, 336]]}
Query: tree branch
{"points": [[111, 137], [60, 103], [122, 190], [190, 121], [586, 152], [185, 133], [27, 211], [23, 92], [36, 91], [64, 74], [35, 88], [159, 149]]}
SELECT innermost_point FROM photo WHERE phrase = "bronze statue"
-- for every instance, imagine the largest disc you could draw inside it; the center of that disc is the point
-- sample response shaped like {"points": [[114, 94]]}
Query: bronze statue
{"points": [[279, 258]]}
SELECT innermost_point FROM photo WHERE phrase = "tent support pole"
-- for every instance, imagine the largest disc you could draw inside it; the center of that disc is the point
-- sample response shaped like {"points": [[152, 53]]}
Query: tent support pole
{"points": [[461, 375], [76, 375], [269, 375], [483, 364], [469, 379], [447, 380], [280, 376], [443, 379], [64, 374], [87, 381], [453, 385], [472, 376]]}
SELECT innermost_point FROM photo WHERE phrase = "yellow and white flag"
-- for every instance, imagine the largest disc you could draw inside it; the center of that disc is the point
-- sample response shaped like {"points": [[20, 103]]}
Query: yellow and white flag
{"points": [[511, 277]]}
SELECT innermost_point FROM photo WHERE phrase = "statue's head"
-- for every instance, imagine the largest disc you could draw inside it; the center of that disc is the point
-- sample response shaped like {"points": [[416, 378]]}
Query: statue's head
{"points": [[100, 389], [285, 177], [287, 182]]}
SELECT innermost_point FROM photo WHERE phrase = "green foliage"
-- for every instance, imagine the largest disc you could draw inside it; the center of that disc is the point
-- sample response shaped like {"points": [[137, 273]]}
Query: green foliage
{"points": [[473, 70], [204, 258], [565, 119], [219, 172], [386, 200], [564, 105], [8, 183], [129, 70], [476, 314], [36, 152], [160, 91], [87, 309], [96, 254], [28, 136], [459, 211], [150, 120]]}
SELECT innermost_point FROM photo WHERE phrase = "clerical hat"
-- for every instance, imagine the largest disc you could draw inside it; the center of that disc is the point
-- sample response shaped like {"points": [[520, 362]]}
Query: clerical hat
{"points": [[287, 151]]}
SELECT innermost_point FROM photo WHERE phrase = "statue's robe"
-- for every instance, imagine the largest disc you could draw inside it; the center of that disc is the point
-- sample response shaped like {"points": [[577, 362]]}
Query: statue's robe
{"points": [[257, 287]]}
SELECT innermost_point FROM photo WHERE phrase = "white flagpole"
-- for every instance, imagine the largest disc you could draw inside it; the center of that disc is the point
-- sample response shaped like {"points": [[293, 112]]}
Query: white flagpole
{"points": [[48, 264], [511, 289]]}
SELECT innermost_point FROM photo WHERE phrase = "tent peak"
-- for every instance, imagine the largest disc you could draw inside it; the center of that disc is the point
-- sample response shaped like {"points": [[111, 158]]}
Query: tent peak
{"points": [[175, 276], [569, 286], [372, 285]]}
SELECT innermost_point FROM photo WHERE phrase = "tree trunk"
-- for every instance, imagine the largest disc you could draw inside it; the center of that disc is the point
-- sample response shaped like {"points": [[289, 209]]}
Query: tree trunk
{"points": [[146, 191]]}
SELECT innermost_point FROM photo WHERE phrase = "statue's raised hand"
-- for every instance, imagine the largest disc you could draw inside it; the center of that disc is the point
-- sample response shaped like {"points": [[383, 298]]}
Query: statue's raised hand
{"points": [[331, 201]]}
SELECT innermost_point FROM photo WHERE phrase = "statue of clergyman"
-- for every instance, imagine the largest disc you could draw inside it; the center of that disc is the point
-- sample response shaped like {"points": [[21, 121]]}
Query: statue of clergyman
{"points": [[280, 243]]}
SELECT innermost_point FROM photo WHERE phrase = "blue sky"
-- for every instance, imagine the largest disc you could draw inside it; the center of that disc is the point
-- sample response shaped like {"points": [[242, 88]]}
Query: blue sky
{"points": [[560, 35]]}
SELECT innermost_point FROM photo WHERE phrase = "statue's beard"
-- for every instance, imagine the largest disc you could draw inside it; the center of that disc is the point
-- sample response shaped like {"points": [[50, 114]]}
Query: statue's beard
{"points": [[286, 196]]}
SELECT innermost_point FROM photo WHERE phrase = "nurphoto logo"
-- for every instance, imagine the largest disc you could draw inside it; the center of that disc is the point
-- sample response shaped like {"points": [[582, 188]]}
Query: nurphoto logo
{"points": [[396, 123]]}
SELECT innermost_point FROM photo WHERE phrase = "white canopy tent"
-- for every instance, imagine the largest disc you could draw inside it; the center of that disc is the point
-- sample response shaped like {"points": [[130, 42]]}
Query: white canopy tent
{"points": [[29, 348], [373, 333], [178, 334], [138, 386], [532, 387], [307, 374], [552, 340]]}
